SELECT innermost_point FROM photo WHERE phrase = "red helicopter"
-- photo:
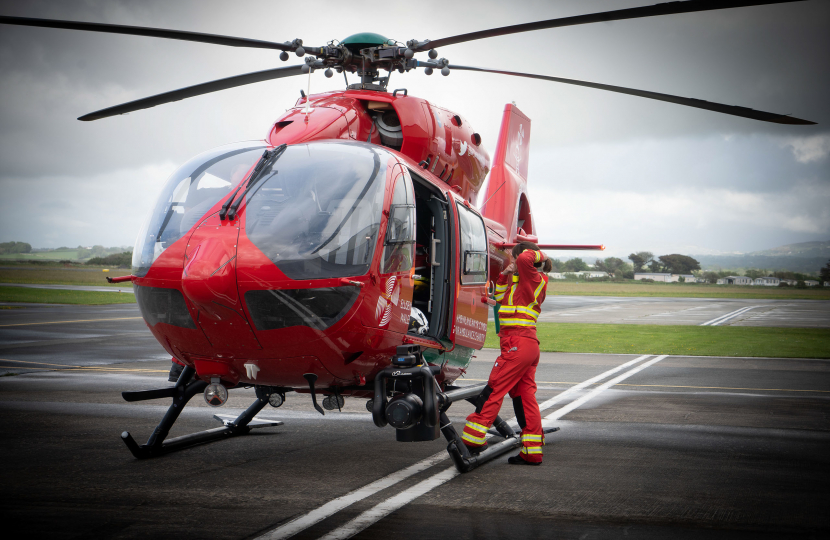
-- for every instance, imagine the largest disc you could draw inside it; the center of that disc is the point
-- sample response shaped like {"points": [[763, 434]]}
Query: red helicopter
{"points": [[353, 251]]}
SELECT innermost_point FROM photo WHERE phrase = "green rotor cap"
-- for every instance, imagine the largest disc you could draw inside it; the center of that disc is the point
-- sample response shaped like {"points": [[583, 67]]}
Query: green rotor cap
{"points": [[363, 40]]}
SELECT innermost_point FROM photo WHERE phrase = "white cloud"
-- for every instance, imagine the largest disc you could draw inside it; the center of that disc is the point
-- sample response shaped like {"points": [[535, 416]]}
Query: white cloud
{"points": [[808, 149], [681, 219], [106, 209]]}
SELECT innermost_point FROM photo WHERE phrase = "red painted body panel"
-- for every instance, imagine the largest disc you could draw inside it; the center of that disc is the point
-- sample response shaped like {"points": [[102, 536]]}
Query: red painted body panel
{"points": [[216, 264]]}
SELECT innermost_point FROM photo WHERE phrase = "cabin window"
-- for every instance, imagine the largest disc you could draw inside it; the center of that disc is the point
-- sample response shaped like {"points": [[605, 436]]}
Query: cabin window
{"points": [[473, 246], [188, 195], [400, 228], [316, 212]]}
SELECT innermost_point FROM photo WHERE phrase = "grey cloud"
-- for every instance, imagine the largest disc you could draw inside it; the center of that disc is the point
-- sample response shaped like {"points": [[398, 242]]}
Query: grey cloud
{"points": [[770, 58]]}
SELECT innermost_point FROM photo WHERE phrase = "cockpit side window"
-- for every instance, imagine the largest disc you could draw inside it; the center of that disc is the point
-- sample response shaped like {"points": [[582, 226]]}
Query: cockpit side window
{"points": [[398, 249], [316, 212], [188, 195], [473, 246]]}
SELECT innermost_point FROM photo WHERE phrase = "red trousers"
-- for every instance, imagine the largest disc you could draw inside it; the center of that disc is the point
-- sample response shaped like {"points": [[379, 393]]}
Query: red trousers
{"points": [[515, 373]]}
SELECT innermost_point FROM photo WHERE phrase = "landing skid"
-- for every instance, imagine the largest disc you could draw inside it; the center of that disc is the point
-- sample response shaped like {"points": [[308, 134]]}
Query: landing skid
{"points": [[462, 458], [181, 393]]}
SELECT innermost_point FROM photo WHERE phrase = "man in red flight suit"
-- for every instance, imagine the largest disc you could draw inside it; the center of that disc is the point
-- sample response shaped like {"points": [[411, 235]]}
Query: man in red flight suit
{"points": [[520, 290]]}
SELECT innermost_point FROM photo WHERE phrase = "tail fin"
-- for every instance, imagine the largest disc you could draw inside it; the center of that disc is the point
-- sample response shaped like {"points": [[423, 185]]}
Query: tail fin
{"points": [[505, 197]]}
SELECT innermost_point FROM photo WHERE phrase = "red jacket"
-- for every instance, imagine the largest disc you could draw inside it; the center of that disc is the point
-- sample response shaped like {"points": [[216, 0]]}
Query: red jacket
{"points": [[521, 294]]}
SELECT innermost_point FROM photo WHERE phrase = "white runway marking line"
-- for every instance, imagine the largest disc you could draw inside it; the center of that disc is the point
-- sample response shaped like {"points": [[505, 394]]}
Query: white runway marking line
{"points": [[332, 507], [723, 318], [375, 514]]}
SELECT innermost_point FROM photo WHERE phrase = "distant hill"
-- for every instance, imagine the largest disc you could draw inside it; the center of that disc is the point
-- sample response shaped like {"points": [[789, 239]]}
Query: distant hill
{"points": [[805, 257], [803, 249], [804, 265]]}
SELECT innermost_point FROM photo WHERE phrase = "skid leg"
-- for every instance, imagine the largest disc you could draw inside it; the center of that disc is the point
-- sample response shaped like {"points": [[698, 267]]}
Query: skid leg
{"points": [[182, 393]]}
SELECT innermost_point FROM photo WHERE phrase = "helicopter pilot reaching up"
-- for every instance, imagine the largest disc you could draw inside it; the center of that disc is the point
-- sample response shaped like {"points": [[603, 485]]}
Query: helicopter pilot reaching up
{"points": [[520, 290]]}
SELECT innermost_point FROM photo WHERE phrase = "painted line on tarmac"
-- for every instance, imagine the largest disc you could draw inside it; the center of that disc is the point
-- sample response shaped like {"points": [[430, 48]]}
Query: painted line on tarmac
{"points": [[729, 316], [559, 413], [373, 515], [382, 510], [67, 367], [718, 319], [725, 388], [65, 322], [332, 507]]}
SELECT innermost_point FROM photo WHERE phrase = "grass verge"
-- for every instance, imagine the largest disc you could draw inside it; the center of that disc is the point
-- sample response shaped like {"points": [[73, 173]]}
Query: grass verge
{"points": [[684, 290], [55, 296], [679, 340], [62, 276]]}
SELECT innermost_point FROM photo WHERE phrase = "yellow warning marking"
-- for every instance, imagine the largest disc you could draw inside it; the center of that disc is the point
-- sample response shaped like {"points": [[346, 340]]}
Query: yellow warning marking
{"points": [[64, 322], [88, 368], [727, 388], [39, 363], [679, 386]]}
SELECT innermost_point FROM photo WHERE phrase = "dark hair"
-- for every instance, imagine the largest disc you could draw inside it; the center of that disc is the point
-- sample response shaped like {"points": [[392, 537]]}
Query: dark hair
{"points": [[544, 266], [521, 246]]}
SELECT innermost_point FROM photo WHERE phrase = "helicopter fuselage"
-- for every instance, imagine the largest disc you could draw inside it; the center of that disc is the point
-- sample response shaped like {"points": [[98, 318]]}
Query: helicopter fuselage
{"points": [[368, 213]]}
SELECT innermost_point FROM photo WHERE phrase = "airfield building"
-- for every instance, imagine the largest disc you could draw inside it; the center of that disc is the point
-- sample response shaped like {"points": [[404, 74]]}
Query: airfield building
{"points": [[665, 277], [655, 276], [768, 281], [735, 280]]}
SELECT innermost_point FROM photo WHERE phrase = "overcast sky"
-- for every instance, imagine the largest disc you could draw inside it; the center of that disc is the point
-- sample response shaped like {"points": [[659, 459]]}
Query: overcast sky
{"points": [[631, 173]]}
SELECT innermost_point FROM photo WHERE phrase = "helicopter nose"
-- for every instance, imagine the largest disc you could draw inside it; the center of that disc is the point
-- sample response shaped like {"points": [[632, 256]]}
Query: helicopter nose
{"points": [[209, 282], [209, 275]]}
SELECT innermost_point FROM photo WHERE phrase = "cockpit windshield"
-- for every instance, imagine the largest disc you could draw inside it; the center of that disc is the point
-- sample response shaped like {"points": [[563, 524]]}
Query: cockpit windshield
{"points": [[188, 194], [316, 212]]}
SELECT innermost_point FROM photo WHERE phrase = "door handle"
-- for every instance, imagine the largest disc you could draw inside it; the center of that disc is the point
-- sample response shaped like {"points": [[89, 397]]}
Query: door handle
{"points": [[487, 300], [435, 242]]}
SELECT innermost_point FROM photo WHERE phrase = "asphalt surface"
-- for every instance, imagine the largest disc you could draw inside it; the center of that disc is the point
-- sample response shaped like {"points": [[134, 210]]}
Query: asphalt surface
{"points": [[628, 310], [687, 311], [125, 288], [681, 447]]}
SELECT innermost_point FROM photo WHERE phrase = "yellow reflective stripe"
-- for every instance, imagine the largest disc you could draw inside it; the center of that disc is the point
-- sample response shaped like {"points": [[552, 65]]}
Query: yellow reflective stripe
{"points": [[537, 293], [532, 438], [538, 255], [499, 296], [532, 450], [501, 287], [515, 278], [516, 322], [477, 427], [512, 310], [512, 292], [469, 438], [527, 311]]}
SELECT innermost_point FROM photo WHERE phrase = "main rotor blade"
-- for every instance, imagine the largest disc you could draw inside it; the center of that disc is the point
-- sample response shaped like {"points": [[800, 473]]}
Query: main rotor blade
{"points": [[668, 8], [199, 37], [733, 110], [192, 91]]}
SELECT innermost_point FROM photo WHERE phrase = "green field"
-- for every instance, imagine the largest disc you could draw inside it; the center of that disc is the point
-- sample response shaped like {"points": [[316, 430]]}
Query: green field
{"points": [[63, 255], [679, 340], [682, 290], [58, 275], [55, 296], [54, 273]]}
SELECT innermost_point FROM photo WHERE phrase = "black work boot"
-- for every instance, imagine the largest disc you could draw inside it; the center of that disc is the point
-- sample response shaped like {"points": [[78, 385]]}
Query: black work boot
{"points": [[519, 460], [476, 450], [175, 371]]}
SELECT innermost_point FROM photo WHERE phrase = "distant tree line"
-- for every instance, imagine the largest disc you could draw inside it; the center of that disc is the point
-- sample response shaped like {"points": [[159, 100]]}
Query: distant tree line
{"points": [[15, 247], [124, 259], [672, 264]]}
